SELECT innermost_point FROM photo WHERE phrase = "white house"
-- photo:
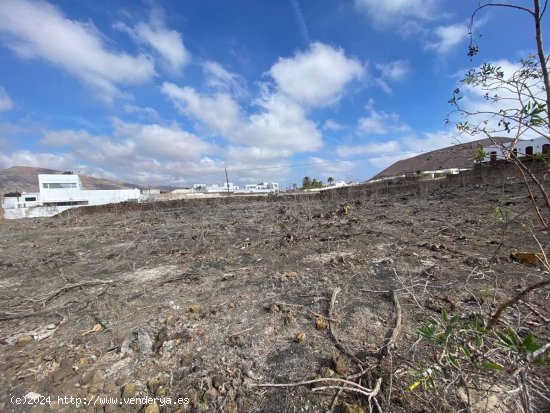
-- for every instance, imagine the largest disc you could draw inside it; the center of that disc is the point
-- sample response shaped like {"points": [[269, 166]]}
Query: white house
{"points": [[261, 188], [523, 148], [59, 193]]}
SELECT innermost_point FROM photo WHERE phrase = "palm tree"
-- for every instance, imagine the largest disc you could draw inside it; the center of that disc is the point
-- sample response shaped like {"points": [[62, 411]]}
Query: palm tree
{"points": [[306, 182], [330, 180]]}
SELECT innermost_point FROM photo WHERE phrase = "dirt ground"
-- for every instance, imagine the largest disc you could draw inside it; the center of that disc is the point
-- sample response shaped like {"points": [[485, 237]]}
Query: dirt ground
{"points": [[203, 302]]}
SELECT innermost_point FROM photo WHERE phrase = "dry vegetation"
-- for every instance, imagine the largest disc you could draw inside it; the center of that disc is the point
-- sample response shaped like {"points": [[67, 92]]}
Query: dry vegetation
{"points": [[213, 300]]}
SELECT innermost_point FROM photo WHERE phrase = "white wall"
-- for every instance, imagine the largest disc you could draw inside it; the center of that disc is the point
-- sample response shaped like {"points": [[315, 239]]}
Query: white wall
{"points": [[537, 145], [100, 197]]}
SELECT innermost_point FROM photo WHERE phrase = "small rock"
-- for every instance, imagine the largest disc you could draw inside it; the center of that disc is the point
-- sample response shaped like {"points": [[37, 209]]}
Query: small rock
{"points": [[321, 323], [129, 390], [153, 384], [161, 392], [33, 396], [527, 257], [83, 362], [193, 397], [183, 335], [144, 342], [350, 408], [341, 365], [25, 339], [152, 408], [301, 336], [125, 347], [210, 394], [273, 308], [231, 407], [195, 308], [65, 370], [97, 382], [326, 372], [237, 340], [217, 381]]}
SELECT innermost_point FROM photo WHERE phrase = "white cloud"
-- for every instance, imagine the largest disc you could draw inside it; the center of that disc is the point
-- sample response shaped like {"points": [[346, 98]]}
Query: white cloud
{"points": [[129, 143], [395, 71], [141, 112], [218, 78], [316, 77], [166, 142], [39, 30], [167, 43], [220, 113], [326, 167], [368, 149], [45, 160], [133, 152], [447, 37], [394, 11], [6, 103], [332, 125], [280, 122], [430, 141], [380, 122]]}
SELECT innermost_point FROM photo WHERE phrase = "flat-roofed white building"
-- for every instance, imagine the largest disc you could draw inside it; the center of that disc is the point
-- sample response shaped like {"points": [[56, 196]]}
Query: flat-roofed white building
{"points": [[59, 192]]}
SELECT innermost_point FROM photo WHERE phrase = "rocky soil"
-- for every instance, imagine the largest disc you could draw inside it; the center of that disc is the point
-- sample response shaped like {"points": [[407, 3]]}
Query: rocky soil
{"points": [[197, 305]]}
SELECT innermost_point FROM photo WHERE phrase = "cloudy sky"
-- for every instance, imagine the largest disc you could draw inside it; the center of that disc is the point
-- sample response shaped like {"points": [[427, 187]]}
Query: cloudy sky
{"points": [[173, 92]]}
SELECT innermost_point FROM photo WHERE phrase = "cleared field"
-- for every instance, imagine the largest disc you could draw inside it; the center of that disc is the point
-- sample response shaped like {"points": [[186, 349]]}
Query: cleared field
{"points": [[205, 300]]}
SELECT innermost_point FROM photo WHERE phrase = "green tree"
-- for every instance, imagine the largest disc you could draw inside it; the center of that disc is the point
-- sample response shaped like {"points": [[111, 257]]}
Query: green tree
{"points": [[330, 180], [306, 182], [519, 102], [468, 347]]}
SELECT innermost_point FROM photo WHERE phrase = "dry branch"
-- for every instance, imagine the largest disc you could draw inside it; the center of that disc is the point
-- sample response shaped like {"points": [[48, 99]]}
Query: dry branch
{"points": [[514, 300], [69, 287], [337, 342], [392, 336]]}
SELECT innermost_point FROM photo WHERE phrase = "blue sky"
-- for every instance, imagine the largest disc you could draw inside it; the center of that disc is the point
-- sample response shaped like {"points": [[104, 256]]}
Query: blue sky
{"points": [[173, 92]]}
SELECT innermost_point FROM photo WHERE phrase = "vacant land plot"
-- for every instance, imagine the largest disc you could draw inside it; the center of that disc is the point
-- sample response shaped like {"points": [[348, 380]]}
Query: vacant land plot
{"points": [[205, 301]]}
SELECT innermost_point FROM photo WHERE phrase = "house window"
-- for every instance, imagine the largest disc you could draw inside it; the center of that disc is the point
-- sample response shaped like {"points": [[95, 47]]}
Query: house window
{"points": [[67, 203], [493, 156], [64, 185], [546, 148], [529, 151], [30, 199]]}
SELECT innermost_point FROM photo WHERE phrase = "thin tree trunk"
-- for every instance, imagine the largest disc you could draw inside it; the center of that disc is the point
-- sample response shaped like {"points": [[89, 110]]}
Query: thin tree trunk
{"points": [[542, 58]]}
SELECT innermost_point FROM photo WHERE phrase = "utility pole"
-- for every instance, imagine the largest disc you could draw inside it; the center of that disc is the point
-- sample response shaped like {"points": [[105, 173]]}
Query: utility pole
{"points": [[227, 181]]}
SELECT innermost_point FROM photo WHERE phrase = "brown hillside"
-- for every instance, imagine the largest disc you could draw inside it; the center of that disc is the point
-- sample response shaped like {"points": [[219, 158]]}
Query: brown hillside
{"points": [[25, 179]]}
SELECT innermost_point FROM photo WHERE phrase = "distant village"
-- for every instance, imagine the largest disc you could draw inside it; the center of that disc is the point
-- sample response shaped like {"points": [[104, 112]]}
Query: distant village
{"points": [[60, 192]]}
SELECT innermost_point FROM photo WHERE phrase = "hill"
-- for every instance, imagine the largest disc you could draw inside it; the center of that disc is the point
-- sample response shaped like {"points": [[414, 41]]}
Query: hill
{"points": [[25, 179], [458, 156]]}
